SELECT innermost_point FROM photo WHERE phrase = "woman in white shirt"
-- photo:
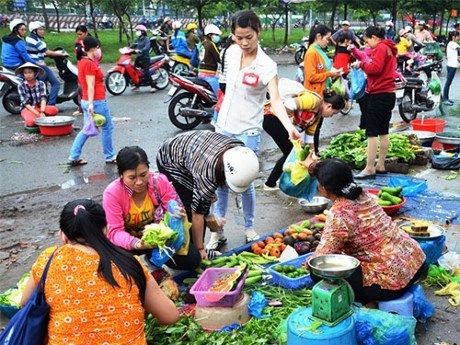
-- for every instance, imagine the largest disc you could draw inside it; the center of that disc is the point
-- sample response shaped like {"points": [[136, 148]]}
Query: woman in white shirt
{"points": [[250, 74], [452, 64]]}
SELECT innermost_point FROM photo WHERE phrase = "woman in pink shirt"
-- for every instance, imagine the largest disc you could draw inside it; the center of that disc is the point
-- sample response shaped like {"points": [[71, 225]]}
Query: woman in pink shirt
{"points": [[140, 197], [356, 225]]}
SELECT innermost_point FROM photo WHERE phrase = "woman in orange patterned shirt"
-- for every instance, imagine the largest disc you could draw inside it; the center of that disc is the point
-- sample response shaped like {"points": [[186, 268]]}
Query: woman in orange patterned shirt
{"points": [[356, 225], [98, 293]]}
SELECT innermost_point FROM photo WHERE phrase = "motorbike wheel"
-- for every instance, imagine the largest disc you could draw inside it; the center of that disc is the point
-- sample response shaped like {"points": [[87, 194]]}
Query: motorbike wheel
{"points": [[179, 101], [299, 56], [163, 79], [116, 83], [180, 68], [405, 112], [10, 101]]}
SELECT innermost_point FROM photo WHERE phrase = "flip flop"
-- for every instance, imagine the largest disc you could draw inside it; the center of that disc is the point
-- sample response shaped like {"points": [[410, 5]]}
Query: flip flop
{"points": [[361, 176], [381, 172], [77, 162]]}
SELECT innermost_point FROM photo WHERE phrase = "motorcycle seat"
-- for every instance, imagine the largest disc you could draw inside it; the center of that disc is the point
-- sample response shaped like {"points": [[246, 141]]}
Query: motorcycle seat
{"points": [[414, 81], [156, 58], [182, 55], [200, 82]]}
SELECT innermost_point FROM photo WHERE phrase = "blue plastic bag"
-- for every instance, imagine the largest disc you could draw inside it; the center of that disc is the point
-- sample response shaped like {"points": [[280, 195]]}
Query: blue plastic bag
{"points": [[175, 222], [358, 83], [410, 187], [423, 309], [296, 185]]}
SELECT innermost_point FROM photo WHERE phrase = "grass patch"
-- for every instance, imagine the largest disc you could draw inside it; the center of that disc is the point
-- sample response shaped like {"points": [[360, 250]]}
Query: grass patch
{"points": [[110, 42]]}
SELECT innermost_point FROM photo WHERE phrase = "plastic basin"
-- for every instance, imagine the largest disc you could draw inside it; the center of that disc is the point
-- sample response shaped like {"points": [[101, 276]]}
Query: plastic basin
{"points": [[389, 210], [430, 125]]}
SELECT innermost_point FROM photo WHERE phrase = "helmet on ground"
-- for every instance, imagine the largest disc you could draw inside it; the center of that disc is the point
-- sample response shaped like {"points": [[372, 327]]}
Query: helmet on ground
{"points": [[40, 72], [435, 86], [140, 27], [212, 29], [15, 22], [35, 25], [176, 25], [241, 167], [167, 19], [192, 26], [389, 23]]}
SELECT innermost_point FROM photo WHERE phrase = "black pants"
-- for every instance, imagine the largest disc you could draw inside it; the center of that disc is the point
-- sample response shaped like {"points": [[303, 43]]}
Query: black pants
{"points": [[373, 292], [193, 259], [273, 126], [144, 63]]}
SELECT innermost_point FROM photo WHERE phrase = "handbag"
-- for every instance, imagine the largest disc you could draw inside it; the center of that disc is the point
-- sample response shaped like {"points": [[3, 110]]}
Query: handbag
{"points": [[89, 128], [30, 324]]}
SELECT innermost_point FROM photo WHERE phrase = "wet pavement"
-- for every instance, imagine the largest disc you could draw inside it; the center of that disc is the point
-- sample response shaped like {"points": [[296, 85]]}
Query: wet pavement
{"points": [[36, 183]]}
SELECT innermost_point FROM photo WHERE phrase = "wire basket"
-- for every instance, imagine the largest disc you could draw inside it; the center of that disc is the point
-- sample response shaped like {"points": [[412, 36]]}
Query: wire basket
{"points": [[205, 298], [291, 283]]}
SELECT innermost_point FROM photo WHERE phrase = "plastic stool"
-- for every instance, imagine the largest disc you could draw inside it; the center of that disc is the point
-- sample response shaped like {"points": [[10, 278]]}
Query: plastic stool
{"points": [[402, 306]]}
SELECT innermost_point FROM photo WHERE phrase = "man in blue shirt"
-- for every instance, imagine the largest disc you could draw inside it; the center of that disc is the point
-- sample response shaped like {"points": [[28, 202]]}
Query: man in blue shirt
{"points": [[37, 50], [345, 28]]}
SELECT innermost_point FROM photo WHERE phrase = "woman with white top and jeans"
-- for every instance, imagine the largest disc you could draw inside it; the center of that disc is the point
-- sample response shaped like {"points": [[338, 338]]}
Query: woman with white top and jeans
{"points": [[452, 64], [250, 73]]}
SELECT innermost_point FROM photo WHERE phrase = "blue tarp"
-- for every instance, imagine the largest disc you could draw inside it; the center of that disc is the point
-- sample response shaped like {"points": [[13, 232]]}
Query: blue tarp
{"points": [[429, 205]]}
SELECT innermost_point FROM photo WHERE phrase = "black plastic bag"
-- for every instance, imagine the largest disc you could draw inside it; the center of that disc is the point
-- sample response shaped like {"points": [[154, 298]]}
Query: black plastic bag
{"points": [[446, 163]]}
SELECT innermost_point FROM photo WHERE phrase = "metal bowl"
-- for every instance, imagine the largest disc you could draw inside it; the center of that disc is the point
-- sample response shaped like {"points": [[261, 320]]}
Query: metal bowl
{"points": [[54, 121], [449, 138], [316, 205], [423, 136], [333, 265]]}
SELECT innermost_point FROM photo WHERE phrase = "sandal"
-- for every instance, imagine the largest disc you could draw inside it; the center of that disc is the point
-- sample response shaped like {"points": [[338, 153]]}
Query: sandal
{"points": [[153, 90], [212, 253], [77, 162], [112, 161]]}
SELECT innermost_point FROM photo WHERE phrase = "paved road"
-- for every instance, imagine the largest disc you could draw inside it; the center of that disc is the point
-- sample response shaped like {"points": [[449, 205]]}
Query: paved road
{"points": [[35, 181]]}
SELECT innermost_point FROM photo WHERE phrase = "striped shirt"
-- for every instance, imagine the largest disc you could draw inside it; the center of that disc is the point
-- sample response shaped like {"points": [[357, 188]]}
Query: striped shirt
{"points": [[36, 48], [190, 160], [31, 95]]}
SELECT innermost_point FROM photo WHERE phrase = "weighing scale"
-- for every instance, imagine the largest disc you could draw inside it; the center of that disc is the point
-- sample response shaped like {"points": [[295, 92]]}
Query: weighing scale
{"points": [[333, 296]]}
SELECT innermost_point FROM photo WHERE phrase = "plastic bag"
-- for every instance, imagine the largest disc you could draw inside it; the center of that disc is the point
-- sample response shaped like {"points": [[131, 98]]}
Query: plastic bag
{"points": [[445, 163], [299, 75], [295, 180], [387, 328], [257, 304], [423, 309], [89, 129], [175, 222], [339, 87], [450, 262], [357, 84], [410, 187]]}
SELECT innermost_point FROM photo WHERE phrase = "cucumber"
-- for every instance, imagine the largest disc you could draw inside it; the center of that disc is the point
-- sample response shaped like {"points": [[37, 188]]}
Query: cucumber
{"points": [[393, 199], [396, 191], [252, 280], [383, 202]]}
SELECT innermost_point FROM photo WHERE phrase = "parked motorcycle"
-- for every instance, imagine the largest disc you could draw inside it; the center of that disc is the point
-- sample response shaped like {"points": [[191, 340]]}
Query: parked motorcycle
{"points": [[299, 55], [125, 73], [433, 53], [68, 72], [192, 101], [421, 91]]}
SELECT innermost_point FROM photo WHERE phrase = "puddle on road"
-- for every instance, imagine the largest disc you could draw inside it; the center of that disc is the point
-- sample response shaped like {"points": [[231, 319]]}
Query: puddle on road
{"points": [[109, 175]]}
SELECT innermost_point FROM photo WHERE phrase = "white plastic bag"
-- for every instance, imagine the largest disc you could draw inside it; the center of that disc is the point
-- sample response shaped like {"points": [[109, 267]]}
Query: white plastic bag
{"points": [[450, 262]]}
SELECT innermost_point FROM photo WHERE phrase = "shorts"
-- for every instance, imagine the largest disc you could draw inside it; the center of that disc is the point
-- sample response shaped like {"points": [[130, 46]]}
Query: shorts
{"points": [[377, 110]]}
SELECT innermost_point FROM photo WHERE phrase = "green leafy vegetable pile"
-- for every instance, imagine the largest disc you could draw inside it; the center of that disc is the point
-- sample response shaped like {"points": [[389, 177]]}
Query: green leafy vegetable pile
{"points": [[12, 297], [351, 147], [255, 331], [159, 235]]}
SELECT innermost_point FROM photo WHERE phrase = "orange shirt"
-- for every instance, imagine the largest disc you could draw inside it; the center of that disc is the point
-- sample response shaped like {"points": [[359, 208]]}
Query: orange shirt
{"points": [[84, 308], [315, 71]]}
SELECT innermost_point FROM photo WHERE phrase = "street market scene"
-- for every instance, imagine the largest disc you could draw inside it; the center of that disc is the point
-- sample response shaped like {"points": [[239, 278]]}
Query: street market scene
{"points": [[285, 173]]}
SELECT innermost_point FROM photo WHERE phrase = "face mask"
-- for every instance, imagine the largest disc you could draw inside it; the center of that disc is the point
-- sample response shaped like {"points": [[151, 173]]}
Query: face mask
{"points": [[138, 33], [216, 39]]}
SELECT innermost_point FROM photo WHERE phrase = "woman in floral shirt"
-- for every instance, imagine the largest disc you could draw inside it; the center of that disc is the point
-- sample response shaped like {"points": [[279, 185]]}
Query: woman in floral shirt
{"points": [[356, 225]]}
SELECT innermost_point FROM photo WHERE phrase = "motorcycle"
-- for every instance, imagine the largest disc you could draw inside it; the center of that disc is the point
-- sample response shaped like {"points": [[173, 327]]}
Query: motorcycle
{"points": [[299, 55], [68, 72], [157, 43], [433, 53], [179, 64], [192, 101], [420, 91], [125, 73]]}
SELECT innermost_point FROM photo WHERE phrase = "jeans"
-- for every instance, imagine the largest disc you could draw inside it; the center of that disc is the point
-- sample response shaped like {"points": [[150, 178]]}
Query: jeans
{"points": [[100, 107], [213, 82], [54, 82], [450, 76], [248, 198]]}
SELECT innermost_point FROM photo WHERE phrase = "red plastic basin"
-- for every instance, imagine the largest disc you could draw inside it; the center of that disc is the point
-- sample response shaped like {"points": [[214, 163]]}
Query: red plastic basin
{"points": [[430, 125], [56, 130], [389, 210]]}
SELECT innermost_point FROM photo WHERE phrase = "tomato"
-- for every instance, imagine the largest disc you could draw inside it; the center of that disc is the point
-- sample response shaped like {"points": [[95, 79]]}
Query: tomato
{"points": [[277, 235], [282, 247], [278, 240], [254, 246], [275, 252], [269, 240], [257, 250], [264, 251], [261, 244], [289, 232]]}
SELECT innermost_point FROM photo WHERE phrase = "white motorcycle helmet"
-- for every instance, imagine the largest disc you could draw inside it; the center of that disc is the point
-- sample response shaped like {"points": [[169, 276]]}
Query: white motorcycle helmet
{"points": [[35, 25], [241, 168], [389, 23], [15, 22], [176, 25], [212, 29]]}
